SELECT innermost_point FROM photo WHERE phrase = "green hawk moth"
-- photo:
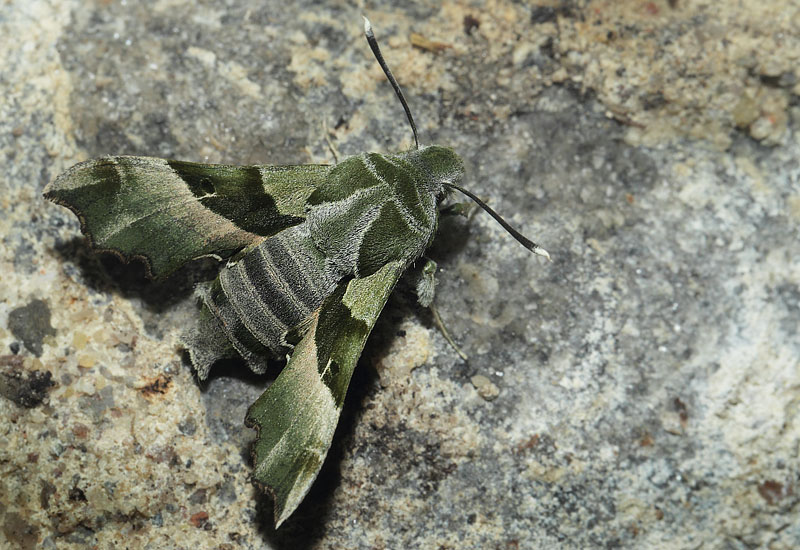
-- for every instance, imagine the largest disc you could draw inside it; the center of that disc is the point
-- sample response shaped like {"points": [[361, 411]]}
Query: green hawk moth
{"points": [[312, 254]]}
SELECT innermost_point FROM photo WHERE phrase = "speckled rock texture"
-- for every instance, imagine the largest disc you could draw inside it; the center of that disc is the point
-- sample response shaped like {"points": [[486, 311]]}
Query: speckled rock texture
{"points": [[641, 391]]}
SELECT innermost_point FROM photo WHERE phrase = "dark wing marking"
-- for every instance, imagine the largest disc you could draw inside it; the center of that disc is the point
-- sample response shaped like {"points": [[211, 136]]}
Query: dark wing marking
{"points": [[169, 212]]}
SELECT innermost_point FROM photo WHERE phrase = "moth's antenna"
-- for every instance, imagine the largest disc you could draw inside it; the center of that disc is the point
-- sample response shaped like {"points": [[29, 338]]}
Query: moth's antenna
{"points": [[524, 241], [373, 44]]}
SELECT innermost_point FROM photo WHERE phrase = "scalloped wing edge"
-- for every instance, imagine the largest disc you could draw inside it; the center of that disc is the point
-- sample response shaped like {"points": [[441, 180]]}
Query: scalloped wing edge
{"points": [[166, 213]]}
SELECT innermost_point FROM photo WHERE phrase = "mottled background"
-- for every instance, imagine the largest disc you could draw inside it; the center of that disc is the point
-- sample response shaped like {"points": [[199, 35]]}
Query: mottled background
{"points": [[641, 391]]}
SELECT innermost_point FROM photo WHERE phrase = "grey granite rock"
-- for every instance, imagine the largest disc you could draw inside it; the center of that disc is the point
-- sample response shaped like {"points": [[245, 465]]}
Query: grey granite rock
{"points": [[641, 391]]}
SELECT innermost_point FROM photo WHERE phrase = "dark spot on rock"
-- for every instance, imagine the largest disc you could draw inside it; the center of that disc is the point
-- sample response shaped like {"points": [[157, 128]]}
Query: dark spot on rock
{"points": [[784, 80], [19, 533], [548, 48], [161, 454], [81, 535], [543, 14], [158, 386], [341, 122], [227, 490], [76, 495], [187, 426], [14, 347], [527, 445], [199, 520], [25, 388], [773, 491], [80, 430], [682, 410], [157, 520], [48, 490], [31, 324], [470, 24], [652, 101], [650, 8], [200, 496]]}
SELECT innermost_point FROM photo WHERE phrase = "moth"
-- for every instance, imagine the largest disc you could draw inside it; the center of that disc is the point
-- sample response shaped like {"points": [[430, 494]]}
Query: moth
{"points": [[312, 253]]}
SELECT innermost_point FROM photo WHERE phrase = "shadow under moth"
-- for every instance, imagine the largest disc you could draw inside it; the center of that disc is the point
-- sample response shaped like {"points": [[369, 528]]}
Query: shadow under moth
{"points": [[313, 253]]}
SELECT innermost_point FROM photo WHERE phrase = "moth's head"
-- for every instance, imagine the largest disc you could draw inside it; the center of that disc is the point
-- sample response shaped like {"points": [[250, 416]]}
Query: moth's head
{"points": [[441, 164]]}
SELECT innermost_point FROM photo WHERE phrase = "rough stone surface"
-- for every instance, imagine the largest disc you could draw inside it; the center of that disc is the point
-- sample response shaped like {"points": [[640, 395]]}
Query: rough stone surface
{"points": [[647, 380]]}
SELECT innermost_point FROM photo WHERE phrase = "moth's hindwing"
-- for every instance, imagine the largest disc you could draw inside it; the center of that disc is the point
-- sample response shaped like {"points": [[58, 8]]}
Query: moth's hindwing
{"points": [[297, 415], [169, 212]]}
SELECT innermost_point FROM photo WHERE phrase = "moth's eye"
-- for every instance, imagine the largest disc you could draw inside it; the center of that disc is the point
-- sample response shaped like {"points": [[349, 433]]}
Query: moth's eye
{"points": [[207, 186]]}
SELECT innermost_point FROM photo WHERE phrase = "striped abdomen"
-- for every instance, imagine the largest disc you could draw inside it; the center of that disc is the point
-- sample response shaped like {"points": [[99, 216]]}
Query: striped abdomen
{"points": [[256, 301]]}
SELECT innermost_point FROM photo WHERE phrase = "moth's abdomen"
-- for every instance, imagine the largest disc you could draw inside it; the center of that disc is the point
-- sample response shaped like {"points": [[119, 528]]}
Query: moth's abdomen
{"points": [[256, 301]]}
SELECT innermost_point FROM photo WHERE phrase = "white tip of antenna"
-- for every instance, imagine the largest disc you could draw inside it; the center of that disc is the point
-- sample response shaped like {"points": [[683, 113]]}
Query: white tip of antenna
{"points": [[367, 25], [542, 252]]}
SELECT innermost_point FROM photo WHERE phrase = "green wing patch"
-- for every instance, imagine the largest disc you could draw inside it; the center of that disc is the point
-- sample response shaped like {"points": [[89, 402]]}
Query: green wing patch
{"points": [[169, 212], [297, 415]]}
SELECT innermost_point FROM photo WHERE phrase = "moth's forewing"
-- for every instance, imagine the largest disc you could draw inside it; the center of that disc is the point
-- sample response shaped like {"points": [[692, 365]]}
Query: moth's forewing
{"points": [[169, 212], [297, 415]]}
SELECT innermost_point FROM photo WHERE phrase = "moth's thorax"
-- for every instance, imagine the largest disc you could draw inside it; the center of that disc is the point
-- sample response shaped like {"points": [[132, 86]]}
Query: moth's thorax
{"points": [[439, 164], [373, 209]]}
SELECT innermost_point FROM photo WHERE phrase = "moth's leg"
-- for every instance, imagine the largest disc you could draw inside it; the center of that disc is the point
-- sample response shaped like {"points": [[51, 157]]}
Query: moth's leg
{"points": [[331, 146], [443, 329], [424, 280]]}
